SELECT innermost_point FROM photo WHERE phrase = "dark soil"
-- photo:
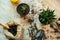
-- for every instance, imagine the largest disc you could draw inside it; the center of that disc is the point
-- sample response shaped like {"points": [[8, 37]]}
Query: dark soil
{"points": [[13, 29]]}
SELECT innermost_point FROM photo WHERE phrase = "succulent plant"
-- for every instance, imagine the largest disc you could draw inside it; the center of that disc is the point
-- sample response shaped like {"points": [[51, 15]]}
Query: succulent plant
{"points": [[23, 9], [46, 16]]}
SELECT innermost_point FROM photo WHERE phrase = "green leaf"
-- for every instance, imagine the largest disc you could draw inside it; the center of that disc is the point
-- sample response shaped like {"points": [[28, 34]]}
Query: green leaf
{"points": [[47, 16]]}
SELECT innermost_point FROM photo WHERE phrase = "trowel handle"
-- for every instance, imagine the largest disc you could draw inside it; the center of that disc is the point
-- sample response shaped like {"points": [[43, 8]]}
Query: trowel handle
{"points": [[4, 25]]}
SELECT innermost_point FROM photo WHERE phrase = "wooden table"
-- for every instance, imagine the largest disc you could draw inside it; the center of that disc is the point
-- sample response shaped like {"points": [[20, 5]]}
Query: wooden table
{"points": [[8, 13]]}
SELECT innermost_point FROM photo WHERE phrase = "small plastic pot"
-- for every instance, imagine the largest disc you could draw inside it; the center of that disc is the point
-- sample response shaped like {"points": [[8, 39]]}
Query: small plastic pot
{"points": [[23, 9]]}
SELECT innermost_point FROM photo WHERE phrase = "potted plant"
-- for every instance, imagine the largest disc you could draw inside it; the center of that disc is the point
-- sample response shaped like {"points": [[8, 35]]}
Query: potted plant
{"points": [[46, 16], [23, 9]]}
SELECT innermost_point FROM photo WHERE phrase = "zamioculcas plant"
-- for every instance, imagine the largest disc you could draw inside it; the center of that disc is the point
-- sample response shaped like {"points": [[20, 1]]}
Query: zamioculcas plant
{"points": [[46, 16]]}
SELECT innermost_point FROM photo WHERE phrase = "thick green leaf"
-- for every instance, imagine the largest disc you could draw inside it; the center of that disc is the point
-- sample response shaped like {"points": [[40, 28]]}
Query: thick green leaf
{"points": [[46, 16]]}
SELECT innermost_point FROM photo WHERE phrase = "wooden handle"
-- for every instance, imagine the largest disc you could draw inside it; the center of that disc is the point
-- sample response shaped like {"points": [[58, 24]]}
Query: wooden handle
{"points": [[4, 25]]}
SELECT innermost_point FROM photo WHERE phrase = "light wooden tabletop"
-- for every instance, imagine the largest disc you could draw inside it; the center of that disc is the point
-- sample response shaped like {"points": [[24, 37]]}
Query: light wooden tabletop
{"points": [[8, 13]]}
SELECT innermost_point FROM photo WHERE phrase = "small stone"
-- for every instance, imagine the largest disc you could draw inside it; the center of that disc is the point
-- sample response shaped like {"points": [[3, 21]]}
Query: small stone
{"points": [[40, 34], [58, 18], [58, 23], [58, 37], [30, 20]]}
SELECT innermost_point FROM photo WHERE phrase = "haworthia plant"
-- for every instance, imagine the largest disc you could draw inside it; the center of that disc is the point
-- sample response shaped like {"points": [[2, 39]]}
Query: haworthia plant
{"points": [[46, 16]]}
